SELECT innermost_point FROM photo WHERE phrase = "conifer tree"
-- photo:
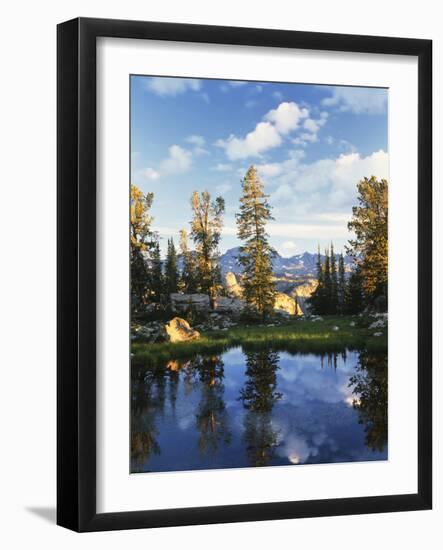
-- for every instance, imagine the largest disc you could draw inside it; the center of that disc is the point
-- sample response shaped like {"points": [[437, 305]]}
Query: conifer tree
{"points": [[156, 274], [256, 253], [333, 300], [206, 228], [354, 293], [341, 286], [370, 246], [188, 281], [316, 301], [171, 273], [327, 284]]}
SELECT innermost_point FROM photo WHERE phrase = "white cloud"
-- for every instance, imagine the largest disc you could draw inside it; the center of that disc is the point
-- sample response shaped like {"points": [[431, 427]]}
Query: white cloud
{"points": [[178, 161], [326, 185], [165, 86], [262, 138], [198, 142], [269, 170], [220, 167], [289, 246], [150, 174], [287, 116], [194, 139], [267, 134], [357, 100]]}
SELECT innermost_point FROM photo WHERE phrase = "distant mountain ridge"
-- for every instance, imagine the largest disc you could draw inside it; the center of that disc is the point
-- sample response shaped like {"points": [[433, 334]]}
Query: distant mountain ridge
{"points": [[304, 264]]}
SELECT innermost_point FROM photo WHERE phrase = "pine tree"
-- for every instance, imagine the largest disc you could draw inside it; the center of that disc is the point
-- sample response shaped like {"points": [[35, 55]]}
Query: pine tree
{"points": [[256, 253], [327, 284], [317, 299], [171, 273], [354, 293], [370, 246], [206, 228], [188, 281], [156, 274], [333, 301], [341, 286]]}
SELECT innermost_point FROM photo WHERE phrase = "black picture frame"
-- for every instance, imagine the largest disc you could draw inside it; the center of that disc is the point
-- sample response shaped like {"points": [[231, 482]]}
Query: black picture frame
{"points": [[76, 265]]}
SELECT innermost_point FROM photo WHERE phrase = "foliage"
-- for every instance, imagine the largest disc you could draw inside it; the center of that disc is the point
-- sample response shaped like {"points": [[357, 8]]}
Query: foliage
{"points": [[370, 386], [341, 285], [141, 238], [171, 273], [370, 246], [188, 279], [354, 293], [206, 228], [295, 336], [156, 274], [256, 253]]}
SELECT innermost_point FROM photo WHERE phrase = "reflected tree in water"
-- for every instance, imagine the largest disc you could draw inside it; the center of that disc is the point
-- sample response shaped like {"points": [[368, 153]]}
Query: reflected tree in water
{"points": [[370, 387], [212, 417], [259, 396], [147, 399]]}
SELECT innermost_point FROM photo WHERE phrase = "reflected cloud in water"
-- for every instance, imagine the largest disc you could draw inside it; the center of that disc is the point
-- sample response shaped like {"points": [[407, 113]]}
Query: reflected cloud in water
{"points": [[259, 408]]}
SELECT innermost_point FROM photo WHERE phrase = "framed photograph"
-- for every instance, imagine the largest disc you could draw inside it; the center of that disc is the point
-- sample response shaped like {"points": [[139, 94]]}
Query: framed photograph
{"points": [[244, 274]]}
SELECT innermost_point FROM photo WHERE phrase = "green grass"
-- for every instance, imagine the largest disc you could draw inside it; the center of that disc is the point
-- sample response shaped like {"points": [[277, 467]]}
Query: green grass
{"points": [[301, 336]]}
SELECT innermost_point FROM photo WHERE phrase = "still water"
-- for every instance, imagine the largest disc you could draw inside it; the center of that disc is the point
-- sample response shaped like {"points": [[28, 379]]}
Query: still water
{"points": [[259, 408]]}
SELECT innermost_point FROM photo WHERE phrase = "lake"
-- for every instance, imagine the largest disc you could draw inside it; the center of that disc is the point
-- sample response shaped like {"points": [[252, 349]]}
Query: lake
{"points": [[259, 408]]}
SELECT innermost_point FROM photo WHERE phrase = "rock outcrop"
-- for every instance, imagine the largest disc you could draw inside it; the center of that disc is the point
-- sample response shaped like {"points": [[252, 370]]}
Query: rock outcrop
{"points": [[181, 302], [306, 289], [284, 304], [224, 304], [302, 293], [232, 286], [179, 330]]}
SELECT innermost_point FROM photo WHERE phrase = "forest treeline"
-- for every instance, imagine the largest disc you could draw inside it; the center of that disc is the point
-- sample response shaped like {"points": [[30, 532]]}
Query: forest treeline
{"points": [[367, 283], [338, 292]]}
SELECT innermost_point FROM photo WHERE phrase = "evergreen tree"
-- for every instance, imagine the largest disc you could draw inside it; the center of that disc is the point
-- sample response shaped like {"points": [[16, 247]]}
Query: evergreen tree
{"points": [[188, 281], [341, 285], [156, 274], [256, 253], [206, 228], [141, 240], [327, 281], [317, 299], [333, 301], [171, 273], [354, 293], [370, 246]]}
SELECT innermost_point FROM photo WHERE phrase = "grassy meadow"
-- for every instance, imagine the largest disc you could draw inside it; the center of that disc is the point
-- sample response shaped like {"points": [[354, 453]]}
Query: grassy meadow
{"points": [[301, 335]]}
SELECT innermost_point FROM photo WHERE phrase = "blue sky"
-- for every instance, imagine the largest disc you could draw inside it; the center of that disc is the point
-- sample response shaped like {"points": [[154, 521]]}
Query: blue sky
{"points": [[311, 145]]}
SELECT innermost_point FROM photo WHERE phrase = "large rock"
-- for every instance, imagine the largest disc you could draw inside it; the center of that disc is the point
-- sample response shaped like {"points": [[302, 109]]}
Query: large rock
{"points": [[232, 286], [302, 293], [224, 304], [179, 330], [284, 304], [181, 302], [306, 289]]}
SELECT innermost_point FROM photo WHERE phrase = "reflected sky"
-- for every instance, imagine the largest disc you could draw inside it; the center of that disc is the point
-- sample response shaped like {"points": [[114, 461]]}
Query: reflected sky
{"points": [[259, 408]]}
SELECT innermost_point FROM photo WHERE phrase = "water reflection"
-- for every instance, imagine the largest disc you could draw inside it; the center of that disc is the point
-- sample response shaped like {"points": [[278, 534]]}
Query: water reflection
{"points": [[259, 395], [370, 388], [259, 408]]}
